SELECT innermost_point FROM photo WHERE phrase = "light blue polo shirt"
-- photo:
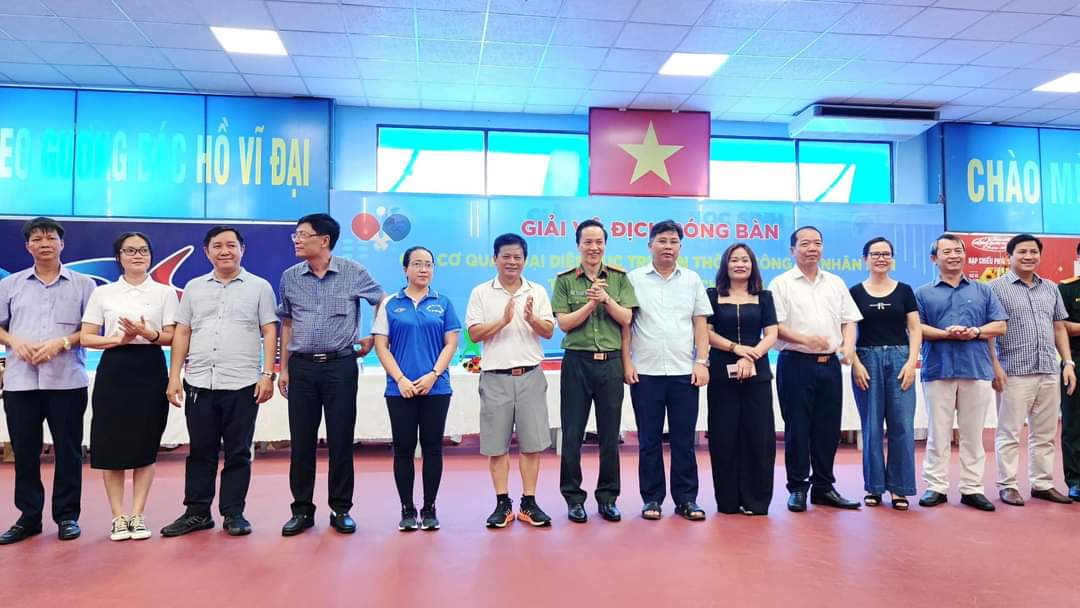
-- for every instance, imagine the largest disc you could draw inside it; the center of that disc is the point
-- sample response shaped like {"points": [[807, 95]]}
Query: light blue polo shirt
{"points": [[970, 304], [416, 333]]}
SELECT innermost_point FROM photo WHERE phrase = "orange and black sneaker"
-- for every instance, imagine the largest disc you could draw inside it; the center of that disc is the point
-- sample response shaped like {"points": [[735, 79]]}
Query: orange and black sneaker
{"points": [[503, 514], [531, 513]]}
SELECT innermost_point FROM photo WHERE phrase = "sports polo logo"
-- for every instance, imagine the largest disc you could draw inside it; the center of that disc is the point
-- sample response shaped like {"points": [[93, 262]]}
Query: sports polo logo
{"points": [[400, 309], [381, 228], [435, 309]]}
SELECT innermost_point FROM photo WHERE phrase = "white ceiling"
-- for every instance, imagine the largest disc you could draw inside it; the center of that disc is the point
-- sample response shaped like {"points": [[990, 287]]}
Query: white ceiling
{"points": [[976, 59]]}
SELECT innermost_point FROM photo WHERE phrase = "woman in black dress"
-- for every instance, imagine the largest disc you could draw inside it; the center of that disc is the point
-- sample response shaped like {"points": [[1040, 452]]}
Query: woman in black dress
{"points": [[129, 404], [742, 431]]}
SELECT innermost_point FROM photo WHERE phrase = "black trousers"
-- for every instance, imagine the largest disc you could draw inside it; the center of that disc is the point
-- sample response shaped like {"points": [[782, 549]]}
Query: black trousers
{"points": [[585, 380], [26, 411], [1070, 436], [653, 396], [315, 388], [423, 416], [742, 444], [216, 418], [811, 401]]}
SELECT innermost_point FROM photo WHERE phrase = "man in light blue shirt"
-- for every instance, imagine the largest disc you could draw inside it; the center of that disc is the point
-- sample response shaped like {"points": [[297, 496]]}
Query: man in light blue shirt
{"points": [[666, 361]]}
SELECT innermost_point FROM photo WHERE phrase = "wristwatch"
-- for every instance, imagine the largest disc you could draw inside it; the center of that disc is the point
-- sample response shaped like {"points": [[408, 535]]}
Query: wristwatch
{"points": [[271, 375], [67, 343], [1069, 362], [704, 362]]}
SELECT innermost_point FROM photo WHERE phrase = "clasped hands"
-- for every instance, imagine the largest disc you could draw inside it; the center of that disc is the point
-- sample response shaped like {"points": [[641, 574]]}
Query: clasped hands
{"points": [[420, 386]]}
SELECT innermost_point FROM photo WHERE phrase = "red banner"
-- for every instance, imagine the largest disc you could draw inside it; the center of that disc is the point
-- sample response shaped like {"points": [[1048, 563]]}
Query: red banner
{"points": [[987, 259], [648, 153]]}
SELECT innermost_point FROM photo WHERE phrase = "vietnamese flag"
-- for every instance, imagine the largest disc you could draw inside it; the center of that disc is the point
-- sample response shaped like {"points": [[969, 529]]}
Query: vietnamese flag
{"points": [[648, 152]]}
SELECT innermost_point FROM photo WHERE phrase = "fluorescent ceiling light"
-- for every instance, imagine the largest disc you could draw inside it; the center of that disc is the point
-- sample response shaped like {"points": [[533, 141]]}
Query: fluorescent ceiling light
{"points": [[254, 42], [692, 64], [1069, 83]]}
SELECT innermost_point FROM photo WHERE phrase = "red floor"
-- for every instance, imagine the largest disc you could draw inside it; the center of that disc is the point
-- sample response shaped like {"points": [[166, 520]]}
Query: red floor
{"points": [[947, 556]]}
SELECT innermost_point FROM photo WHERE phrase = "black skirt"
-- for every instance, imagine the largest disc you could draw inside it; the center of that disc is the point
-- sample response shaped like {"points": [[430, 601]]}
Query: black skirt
{"points": [[129, 407]]}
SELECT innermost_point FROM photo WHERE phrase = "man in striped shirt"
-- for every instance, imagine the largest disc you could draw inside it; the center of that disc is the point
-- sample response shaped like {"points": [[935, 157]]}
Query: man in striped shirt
{"points": [[1027, 372]]}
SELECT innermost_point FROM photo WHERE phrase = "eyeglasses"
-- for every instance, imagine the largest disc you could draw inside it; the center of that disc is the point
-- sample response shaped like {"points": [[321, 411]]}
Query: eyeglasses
{"points": [[135, 250], [421, 265], [879, 255], [302, 236]]}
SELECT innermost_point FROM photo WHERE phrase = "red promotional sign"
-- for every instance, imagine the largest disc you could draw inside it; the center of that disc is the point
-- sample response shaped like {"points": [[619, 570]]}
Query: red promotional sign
{"points": [[648, 152], [987, 259]]}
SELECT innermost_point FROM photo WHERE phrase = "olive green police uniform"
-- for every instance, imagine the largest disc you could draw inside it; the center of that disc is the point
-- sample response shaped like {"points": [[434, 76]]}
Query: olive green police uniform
{"points": [[591, 371], [1070, 405]]}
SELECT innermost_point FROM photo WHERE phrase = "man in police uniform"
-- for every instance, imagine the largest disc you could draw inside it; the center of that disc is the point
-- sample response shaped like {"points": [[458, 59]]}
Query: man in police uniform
{"points": [[592, 303], [1070, 404]]}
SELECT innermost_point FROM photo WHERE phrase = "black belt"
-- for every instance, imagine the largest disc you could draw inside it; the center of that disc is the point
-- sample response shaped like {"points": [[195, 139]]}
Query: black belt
{"points": [[595, 356], [513, 371], [324, 357], [817, 357]]}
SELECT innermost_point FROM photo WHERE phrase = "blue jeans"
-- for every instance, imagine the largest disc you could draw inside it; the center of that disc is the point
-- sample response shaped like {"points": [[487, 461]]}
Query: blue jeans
{"points": [[885, 404]]}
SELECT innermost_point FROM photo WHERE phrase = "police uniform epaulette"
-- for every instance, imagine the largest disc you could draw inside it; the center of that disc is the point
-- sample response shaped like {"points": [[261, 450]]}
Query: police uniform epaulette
{"points": [[567, 271], [616, 268], [1070, 280]]}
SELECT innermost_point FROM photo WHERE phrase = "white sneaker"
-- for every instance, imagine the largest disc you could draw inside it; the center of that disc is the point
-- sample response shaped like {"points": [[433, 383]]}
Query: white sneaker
{"points": [[120, 529], [138, 528]]}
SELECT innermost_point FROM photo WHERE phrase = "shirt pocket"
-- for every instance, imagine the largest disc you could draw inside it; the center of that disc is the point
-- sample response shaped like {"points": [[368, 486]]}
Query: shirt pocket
{"points": [[340, 307], [67, 313], [243, 310]]}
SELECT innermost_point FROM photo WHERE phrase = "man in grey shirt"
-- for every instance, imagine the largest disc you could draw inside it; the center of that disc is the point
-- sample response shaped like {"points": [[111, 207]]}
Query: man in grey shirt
{"points": [[219, 323]]}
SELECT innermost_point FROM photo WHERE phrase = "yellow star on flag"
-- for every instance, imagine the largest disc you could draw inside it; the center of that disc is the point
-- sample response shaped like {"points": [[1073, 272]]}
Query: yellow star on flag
{"points": [[650, 155]]}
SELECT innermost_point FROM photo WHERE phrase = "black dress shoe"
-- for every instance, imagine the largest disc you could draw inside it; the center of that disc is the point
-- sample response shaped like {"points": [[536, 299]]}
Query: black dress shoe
{"points": [[297, 524], [577, 514], [931, 498], [69, 530], [796, 503], [978, 501], [236, 525], [1074, 493], [188, 522], [18, 533], [342, 522], [609, 511], [832, 498]]}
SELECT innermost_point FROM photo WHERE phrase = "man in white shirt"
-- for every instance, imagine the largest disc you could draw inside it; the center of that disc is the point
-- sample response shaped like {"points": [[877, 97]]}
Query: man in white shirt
{"points": [[666, 361], [510, 315], [817, 318]]}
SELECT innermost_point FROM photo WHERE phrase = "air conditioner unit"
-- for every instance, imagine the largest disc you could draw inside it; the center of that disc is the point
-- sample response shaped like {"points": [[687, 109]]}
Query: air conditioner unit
{"points": [[835, 121]]}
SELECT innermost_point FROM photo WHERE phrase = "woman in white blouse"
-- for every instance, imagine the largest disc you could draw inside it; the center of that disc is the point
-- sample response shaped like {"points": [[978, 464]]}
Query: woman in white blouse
{"points": [[129, 403]]}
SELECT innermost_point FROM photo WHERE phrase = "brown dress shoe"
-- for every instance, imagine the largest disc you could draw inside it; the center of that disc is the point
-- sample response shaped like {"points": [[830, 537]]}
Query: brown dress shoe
{"points": [[1052, 495], [1011, 496]]}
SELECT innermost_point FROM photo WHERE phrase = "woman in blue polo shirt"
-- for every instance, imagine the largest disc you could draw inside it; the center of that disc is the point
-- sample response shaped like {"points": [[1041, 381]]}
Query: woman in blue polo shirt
{"points": [[416, 335]]}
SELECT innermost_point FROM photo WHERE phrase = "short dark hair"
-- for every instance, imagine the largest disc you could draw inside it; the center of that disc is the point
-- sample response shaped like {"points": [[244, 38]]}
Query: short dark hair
{"points": [[509, 240], [875, 240], [946, 236], [723, 281], [589, 223], [118, 244], [216, 230], [1022, 238], [665, 226], [405, 257], [323, 225], [795, 234], [42, 224]]}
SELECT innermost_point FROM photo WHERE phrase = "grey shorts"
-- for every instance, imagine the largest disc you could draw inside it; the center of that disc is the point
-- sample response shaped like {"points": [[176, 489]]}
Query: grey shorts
{"points": [[509, 401]]}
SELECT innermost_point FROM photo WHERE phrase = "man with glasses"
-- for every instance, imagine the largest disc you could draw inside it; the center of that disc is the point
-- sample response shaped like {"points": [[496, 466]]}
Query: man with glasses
{"points": [[40, 313], [224, 318], [320, 318]]}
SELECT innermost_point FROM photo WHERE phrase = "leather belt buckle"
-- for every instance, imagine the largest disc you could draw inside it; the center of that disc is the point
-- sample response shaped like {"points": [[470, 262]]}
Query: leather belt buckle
{"points": [[517, 371], [599, 356], [319, 357], [823, 358]]}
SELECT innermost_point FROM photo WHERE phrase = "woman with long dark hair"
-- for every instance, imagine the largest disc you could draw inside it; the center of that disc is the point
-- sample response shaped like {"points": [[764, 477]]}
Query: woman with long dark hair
{"points": [[416, 335], [129, 403], [742, 430], [883, 374]]}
